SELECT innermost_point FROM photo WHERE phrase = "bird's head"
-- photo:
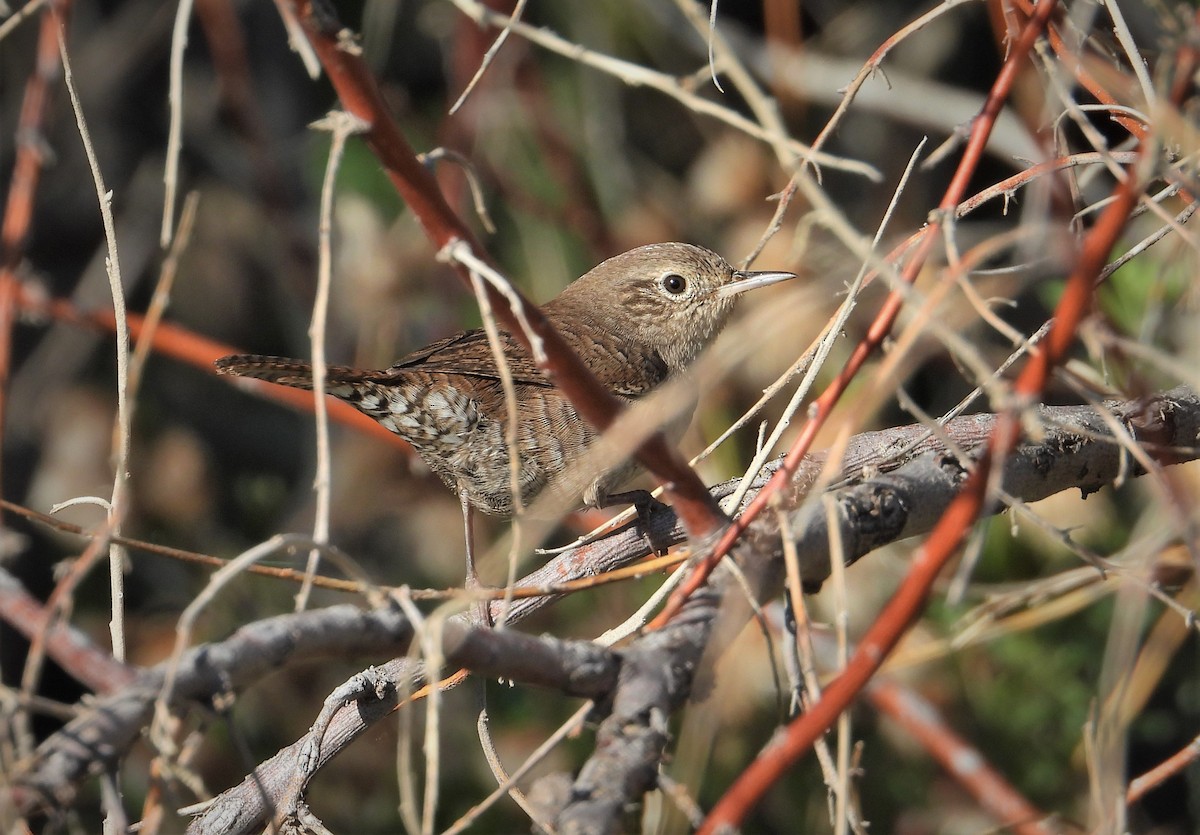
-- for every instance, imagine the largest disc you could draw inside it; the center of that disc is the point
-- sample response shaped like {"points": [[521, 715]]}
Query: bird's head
{"points": [[673, 298]]}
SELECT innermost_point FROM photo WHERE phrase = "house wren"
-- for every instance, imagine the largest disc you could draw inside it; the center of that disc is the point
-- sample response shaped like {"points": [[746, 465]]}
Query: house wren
{"points": [[635, 320]]}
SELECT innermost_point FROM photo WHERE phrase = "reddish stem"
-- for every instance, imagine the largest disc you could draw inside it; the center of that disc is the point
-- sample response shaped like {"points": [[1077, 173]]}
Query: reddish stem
{"points": [[909, 600], [360, 95], [1168, 768], [880, 327], [958, 757], [22, 188]]}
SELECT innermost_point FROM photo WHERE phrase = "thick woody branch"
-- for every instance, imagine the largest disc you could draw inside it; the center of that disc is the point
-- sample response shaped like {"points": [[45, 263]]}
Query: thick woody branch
{"points": [[914, 478], [70, 647], [107, 728], [574, 668], [645, 684], [104, 731], [416, 185], [914, 486], [1076, 450], [657, 674]]}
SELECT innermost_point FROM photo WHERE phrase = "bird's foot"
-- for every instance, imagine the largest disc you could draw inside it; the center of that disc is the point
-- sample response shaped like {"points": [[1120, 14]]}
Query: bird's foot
{"points": [[646, 506]]}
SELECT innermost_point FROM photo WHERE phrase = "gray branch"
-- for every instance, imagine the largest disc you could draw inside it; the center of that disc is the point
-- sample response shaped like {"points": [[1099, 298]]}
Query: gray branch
{"points": [[656, 678], [106, 728], [894, 484]]}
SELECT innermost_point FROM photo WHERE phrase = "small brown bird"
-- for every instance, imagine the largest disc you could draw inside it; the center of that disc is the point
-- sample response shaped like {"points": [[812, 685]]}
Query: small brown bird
{"points": [[635, 320]]}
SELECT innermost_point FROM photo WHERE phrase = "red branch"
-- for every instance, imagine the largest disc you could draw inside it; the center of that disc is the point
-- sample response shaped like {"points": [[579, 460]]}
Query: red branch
{"points": [[69, 647], [1075, 64], [187, 346], [27, 170], [822, 407], [943, 543], [360, 96], [1165, 770], [947, 536], [958, 757]]}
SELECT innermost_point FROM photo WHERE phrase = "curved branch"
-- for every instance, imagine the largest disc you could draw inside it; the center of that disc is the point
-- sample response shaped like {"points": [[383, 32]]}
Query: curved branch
{"points": [[360, 95], [915, 478], [918, 480], [107, 728]]}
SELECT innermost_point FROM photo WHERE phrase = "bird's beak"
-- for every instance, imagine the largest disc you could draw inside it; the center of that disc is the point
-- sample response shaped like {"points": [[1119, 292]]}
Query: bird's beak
{"points": [[746, 280]]}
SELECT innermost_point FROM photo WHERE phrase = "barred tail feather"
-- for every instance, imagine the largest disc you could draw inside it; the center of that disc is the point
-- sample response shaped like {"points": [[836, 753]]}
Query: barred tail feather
{"points": [[284, 371]]}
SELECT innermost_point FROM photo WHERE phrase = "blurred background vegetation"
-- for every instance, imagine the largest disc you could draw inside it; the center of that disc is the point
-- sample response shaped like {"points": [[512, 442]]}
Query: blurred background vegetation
{"points": [[575, 165]]}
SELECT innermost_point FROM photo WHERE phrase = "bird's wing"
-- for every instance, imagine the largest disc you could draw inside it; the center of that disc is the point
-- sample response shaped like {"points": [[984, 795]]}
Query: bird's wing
{"points": [[468, 354], [632, 372]]}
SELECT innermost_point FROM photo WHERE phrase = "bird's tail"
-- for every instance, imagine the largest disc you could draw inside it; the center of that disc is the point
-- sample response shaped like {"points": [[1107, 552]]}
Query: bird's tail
{"points": [[283, 371]]}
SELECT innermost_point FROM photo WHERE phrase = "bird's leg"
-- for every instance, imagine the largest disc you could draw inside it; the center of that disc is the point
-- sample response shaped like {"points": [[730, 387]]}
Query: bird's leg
{"points": [[645, 504], [483, 607]]}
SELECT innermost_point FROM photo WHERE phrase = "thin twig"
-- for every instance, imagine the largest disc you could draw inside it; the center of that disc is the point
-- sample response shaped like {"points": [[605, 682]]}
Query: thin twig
{"points": [[19, 16], [124, 430], [511, 429], [489, 56], [637, 75], [183, 16], [162, 292], [841, 606], [832, 333], [341, 127], [507, 783]]}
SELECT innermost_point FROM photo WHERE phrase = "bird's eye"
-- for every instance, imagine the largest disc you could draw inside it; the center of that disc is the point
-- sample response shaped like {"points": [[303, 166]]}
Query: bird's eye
{"points": [[673, 283]]}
